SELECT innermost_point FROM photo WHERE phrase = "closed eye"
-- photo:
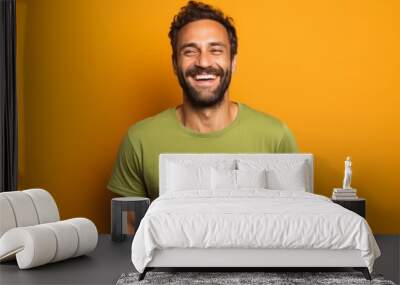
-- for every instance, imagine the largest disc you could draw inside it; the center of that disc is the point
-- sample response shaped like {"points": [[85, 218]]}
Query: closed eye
{"points": [[217, 51], [189, 52]]}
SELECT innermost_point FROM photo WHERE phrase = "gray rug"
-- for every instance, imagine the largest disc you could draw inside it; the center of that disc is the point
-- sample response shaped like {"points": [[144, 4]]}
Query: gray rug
{"points": [[269, 278]]}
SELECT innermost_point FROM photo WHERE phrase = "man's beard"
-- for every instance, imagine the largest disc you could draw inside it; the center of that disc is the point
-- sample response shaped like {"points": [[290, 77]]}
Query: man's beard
{"points": [[194, 97]]}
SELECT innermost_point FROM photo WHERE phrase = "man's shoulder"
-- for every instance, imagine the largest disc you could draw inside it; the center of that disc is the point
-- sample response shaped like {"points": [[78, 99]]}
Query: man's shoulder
{"points": [[151, 124], [259, 118], [272, 128]]}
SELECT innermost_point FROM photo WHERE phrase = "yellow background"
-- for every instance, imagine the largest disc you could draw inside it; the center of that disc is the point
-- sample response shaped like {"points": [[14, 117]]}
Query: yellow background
{"points": [[87, 70]]}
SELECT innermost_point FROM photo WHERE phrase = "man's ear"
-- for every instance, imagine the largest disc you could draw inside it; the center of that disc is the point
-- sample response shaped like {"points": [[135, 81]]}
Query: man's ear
{"points": [[233, 65]]}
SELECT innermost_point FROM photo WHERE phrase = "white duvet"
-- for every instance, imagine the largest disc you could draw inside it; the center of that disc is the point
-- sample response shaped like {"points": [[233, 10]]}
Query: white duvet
{"points": [[251, 218]]}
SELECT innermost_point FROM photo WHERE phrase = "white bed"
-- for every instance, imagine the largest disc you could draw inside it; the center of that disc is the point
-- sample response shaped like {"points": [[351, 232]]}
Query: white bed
{"points": [[200, 223]]}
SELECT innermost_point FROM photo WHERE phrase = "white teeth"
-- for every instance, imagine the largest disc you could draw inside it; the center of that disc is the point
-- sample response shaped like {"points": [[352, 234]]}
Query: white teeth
{"points": [[205, 76]]}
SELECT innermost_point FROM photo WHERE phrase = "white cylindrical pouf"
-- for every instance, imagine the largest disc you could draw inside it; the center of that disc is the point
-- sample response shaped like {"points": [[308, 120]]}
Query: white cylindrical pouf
{"points": [[33, 246], [7, 218], [45, 205], [67, 240], [23, 208], [87, 235]]}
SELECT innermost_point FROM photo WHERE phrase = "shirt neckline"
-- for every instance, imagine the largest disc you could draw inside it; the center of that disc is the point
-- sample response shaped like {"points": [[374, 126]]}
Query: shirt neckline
{"points": [[209, 134]]}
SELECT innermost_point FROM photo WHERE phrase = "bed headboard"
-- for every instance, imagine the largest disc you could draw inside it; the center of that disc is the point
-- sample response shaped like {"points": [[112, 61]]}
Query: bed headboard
{"points": [[217, 158]]}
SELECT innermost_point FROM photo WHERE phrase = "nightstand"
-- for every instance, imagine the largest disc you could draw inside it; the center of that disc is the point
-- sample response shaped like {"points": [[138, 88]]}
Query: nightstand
{"points": [[126, 214], [357, 205]]}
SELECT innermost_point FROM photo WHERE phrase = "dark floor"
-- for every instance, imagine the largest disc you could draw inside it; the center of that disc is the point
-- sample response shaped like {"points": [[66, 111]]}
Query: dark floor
{"points": [[389, 262], [110, 260], [102, 266]]}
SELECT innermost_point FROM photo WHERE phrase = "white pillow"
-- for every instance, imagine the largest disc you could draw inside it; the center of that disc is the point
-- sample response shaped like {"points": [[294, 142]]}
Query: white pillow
{"points": [[282, 174], [236, 179], [287, 179], [181, 178], [223, 179], [251, 178]]}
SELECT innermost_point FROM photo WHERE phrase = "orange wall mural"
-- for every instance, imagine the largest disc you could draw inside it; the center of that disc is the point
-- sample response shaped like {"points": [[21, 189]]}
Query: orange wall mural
{"points": [[87, 70]]}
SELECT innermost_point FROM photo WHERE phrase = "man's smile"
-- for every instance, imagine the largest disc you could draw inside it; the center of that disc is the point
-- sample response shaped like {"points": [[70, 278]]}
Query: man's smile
{"points": [[204, 79]]}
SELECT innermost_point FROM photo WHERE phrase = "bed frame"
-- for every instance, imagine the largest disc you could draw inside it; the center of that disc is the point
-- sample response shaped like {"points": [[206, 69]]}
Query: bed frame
{"points": [[248, 259]]}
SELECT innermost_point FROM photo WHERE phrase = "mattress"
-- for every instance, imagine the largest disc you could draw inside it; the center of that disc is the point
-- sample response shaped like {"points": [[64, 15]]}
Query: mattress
{"points": [[250, 219]]}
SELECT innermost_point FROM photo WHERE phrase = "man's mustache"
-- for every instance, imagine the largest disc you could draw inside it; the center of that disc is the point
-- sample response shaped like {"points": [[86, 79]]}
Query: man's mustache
{"points": [[195, 70]]}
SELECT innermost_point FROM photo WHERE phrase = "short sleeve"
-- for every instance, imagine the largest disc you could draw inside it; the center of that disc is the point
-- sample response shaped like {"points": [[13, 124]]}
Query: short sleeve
{"points": [[127, 176], [288, 142]]}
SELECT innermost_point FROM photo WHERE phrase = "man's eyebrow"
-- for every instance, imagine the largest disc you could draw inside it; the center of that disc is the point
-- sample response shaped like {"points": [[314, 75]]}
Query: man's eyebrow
{"points": [[218, 44], [188, 45]]}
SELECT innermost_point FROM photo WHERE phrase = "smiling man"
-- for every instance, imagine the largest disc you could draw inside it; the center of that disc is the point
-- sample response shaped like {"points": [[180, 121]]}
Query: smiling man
{"points": [[204, 49]]}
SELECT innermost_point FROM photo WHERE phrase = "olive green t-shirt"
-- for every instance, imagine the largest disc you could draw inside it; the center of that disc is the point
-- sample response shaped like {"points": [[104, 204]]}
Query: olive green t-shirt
{"points": [[136, 169]]}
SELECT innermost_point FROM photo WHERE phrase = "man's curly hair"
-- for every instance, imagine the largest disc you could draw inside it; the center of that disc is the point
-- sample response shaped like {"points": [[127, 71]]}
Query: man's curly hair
{"points": [[194, 11]]}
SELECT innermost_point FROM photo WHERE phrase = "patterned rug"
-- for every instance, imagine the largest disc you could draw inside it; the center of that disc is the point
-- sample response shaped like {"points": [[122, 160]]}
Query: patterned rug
{"points": [[269, 278]]}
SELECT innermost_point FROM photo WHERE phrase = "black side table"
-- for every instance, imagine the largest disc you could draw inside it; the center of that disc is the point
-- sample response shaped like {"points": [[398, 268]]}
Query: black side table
{"points": [[357, 205], [123, 207]]}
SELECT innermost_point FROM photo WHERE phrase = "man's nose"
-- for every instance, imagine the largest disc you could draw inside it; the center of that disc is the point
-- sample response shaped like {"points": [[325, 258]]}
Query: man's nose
{"points": [[204, 60]]}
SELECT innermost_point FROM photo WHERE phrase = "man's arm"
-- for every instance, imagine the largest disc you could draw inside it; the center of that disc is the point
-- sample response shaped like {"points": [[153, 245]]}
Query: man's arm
{"points": [[127, 176]]}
